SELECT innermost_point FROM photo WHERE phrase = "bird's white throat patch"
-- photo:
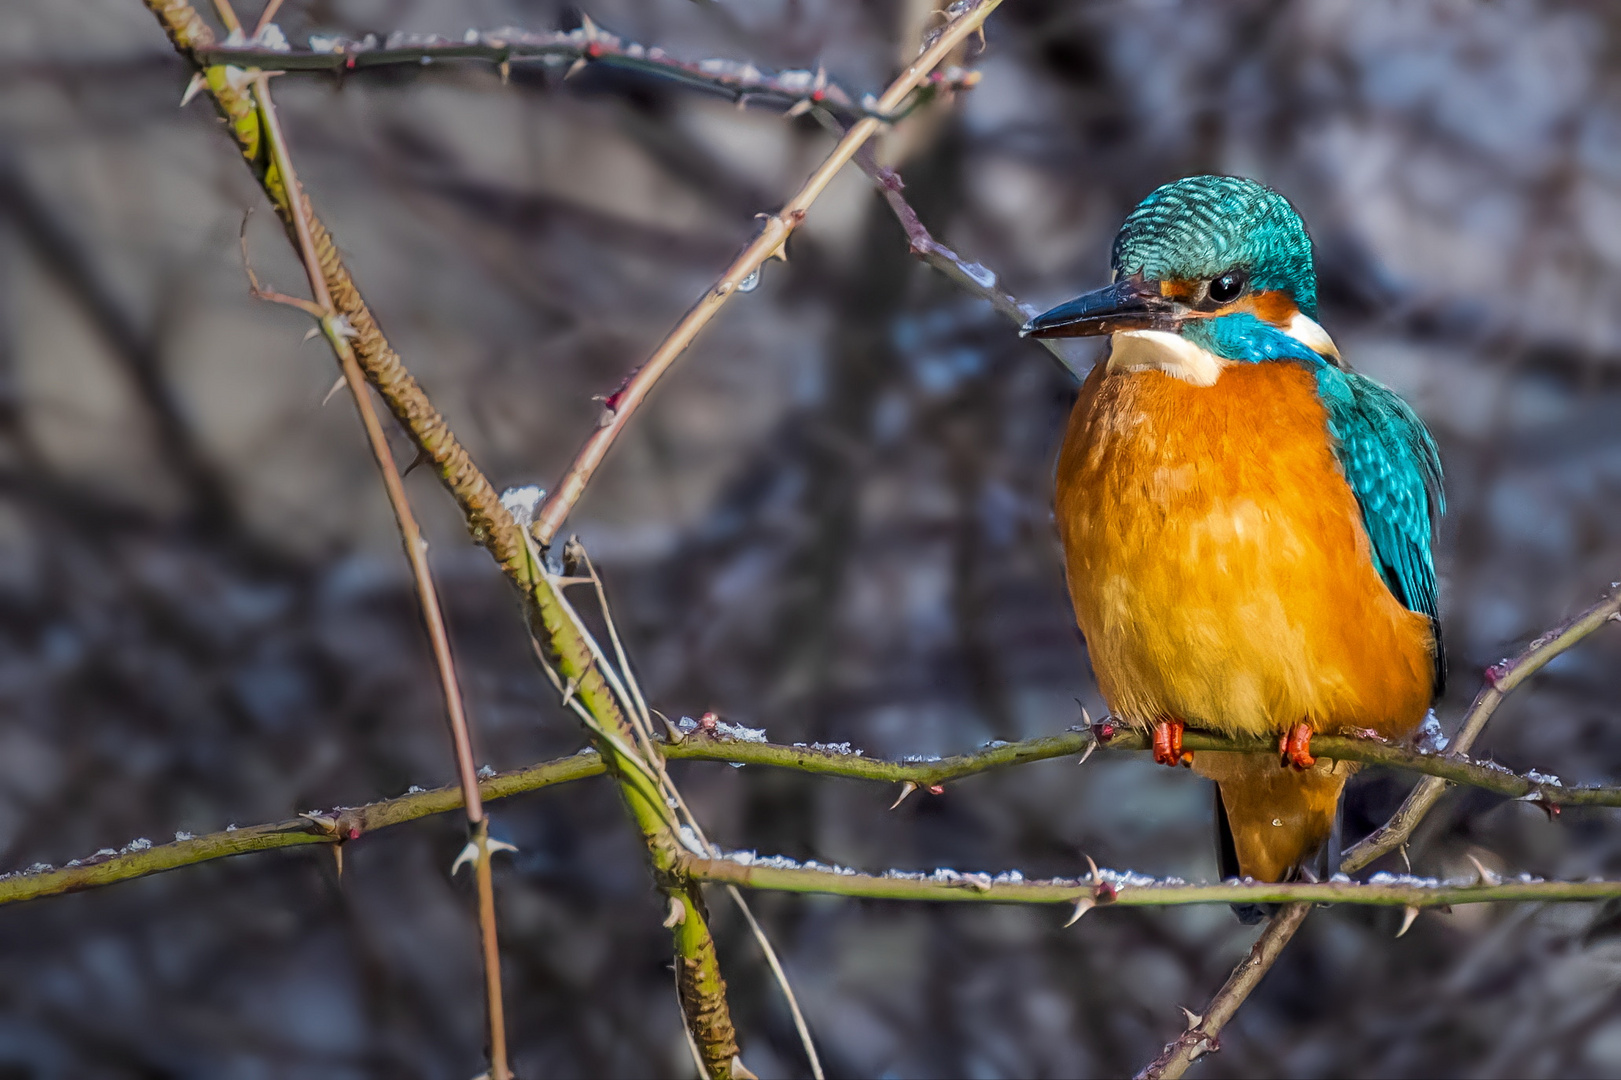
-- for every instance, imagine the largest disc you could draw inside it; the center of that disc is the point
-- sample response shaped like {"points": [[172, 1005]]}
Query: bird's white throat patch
{"points": [[1161, 350]]}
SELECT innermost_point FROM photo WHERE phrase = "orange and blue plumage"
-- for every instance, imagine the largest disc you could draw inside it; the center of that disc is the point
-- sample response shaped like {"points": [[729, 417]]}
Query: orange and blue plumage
{"points": [[1246, 522]]}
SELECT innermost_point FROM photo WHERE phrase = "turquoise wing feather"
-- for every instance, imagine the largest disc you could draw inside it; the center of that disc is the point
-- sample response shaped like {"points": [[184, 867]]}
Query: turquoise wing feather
{"points": [[1392, 465]]}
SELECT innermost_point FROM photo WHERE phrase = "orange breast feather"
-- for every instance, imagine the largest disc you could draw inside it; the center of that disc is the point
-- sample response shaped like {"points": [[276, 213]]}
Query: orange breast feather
{"points": [[1218, 564]]}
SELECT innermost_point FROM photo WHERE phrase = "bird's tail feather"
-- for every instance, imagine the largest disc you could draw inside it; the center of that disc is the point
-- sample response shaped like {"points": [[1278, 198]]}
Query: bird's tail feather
{"points": [[1271, 820]]}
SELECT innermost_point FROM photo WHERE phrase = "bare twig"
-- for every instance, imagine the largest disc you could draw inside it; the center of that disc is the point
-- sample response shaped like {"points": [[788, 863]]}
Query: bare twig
{"points": [[339, 826], [1113, 888], [1202, 1034], [622, 404], [266, 17], [416, 552], [828, 762], [737, 81]]}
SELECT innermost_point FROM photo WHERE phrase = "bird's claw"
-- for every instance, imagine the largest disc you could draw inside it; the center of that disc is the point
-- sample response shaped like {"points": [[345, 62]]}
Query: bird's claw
{"points": [[1294, 747], [1168, 744]]}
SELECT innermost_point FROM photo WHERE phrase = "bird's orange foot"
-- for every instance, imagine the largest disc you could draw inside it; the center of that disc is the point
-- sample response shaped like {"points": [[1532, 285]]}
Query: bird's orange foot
{"points": [[1168, 744], [1294, 746]]}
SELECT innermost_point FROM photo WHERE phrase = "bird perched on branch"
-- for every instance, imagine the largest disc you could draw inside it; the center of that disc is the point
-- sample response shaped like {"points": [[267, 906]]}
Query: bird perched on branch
{"points": [[1246, 522]]}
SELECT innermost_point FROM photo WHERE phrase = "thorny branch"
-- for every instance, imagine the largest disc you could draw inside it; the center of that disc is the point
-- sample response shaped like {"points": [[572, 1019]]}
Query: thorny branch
{"points": [[416, 553], [715, 742], [742, 83]]}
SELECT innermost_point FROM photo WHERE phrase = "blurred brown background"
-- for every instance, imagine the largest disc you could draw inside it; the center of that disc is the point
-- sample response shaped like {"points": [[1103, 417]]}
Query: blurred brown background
{"points": [[832, 522]]}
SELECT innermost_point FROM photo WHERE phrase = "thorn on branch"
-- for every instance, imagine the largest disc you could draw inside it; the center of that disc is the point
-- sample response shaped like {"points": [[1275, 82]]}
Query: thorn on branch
{"points": [[907, 787], [1538, 800], [672, 732], [468, 857], [324, 823], [193, 88], [422, 458], [677, 915], [1082, 906], [1487, 877], [1409, 913]]}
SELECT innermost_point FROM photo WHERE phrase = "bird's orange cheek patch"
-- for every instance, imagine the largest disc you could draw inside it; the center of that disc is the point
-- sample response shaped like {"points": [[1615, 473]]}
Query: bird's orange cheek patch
{"points": [[1277, 308], [1184, 292]]}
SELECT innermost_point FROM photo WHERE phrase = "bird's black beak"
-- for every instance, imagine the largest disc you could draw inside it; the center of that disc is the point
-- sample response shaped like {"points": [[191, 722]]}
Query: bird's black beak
{"points": [[1131, 304]]}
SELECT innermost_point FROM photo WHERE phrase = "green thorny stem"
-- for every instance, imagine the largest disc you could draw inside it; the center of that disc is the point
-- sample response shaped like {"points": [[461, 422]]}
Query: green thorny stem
{"points": [[340, 825], [703, 988], [416, 552]]}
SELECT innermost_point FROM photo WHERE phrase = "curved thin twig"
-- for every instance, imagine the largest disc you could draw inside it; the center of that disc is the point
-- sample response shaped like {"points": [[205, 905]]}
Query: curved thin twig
{"points": [[622, 404], [416, 554]]}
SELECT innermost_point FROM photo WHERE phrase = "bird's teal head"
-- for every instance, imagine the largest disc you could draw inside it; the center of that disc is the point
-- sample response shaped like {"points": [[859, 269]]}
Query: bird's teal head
{"points": [[1222, 263]]}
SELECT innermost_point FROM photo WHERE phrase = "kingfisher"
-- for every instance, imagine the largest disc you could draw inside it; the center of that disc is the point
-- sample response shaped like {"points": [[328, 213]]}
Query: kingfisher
{"points": [[1246, 522]]}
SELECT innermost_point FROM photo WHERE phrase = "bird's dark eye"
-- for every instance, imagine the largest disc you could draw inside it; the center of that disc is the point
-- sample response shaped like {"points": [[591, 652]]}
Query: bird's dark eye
{"points": [[1226, 288]]}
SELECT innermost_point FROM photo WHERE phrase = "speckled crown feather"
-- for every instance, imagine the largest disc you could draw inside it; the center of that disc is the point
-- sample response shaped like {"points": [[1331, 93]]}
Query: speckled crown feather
{"points": [[1202, 226]]}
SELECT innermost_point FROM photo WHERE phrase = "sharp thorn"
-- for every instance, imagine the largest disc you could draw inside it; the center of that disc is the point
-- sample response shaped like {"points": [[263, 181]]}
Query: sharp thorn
{"points": [[1487, 877], [1194, 1019], [193, 88], [799, 108], [575, 68], [568, 691], [328, 824], [590, 28], [677, 915], [1082, 906], [468, 857], [1408, 915], [1091, 869], [907, 787], [1091, 747], [501, 845], [1405, 860], [337, 859], [314, 331], [335, 388], [672, 734], [421, 458]]}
